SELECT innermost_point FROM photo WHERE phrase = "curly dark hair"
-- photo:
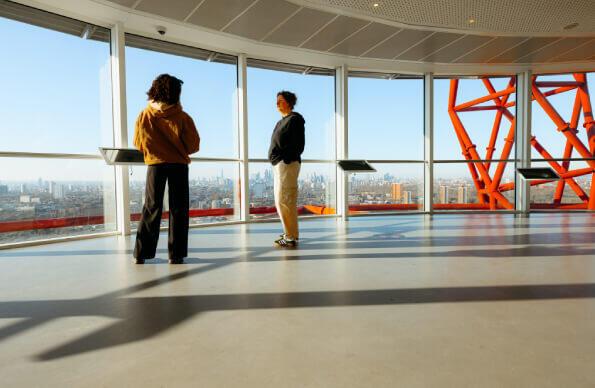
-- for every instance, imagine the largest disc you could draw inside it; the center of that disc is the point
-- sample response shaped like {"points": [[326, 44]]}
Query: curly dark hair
{"points": [[290, 97], [166, 88]]}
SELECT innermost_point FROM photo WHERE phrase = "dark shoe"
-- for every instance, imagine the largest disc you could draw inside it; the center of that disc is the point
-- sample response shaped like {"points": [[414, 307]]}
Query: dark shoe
{"points": [[285, 243], [139, 261], [176, 261]]}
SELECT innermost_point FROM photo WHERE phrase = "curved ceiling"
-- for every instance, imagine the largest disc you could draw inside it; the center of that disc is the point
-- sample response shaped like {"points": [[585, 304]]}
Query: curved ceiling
{"points": [[347, 27], [518, 17]]}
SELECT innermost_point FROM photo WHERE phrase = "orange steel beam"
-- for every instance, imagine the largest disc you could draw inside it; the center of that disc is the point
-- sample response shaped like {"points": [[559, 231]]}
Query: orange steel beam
{"points": [[562, 126], [571, 182], [486, 186], [500, 102], [483, 99], [568, 149], [489, 187], [589, 127], [556, 84]]}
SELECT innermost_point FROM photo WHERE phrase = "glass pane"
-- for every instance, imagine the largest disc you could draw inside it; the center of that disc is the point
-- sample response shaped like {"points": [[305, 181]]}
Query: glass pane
{"points": [[455, 188], [487, 128], [208, 96], [136, 194], [386, 119], [56, 91], [549, 142], [214, 193], [316, 102], [572, 193], [393, 187], [316, 185], [48, 198]]}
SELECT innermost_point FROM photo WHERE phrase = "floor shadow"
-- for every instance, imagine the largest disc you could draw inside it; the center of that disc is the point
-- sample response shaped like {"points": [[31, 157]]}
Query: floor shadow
{"points": [[519, 253], [395, 238], [140, 318]]}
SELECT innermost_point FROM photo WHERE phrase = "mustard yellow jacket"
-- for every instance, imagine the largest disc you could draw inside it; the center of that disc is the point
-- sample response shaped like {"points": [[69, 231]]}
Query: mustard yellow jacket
{"points": [[165, 134]]}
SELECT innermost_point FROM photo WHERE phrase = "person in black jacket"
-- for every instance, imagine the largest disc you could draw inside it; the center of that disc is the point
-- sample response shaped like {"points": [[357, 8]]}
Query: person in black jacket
{"points": [[287, 145]]}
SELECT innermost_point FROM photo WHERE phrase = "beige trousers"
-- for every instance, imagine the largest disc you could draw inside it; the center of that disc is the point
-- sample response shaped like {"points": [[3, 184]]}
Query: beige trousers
{"points": [[286, 194]]}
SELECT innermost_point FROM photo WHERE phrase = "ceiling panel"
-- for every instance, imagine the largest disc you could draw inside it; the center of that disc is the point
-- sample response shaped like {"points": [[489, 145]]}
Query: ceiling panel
{"points": [[336, 31], [216, 14], [175, 9], [490, 50], [397, 44], [299, 27], [522, 49], [458, 48], [260, 19], [430, 45], [581, 53], [553, 50], [126, 3], [521, 17], [364, 39]]}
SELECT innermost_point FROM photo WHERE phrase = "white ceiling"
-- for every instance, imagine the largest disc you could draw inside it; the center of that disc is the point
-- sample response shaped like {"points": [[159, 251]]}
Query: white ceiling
{"points": [[519, 17], [522, 31]]}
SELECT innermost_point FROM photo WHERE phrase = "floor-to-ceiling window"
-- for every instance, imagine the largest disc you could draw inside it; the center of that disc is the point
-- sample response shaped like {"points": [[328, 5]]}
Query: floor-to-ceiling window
{"points": [[474, 135], [386, 127], [56, 111], [315, 91], [209, 95], [563, 138]]}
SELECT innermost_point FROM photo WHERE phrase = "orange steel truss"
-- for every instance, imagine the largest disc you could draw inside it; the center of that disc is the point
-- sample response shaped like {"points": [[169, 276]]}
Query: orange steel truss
{"points": [[487, 176]]}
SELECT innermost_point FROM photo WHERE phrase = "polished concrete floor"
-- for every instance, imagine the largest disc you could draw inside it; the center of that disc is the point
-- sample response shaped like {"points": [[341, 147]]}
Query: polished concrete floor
{"points": [[399, 301]]}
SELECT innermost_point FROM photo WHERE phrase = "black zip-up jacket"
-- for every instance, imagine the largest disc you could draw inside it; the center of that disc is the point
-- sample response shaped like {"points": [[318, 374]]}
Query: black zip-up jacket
{"points": [[288, 139]]}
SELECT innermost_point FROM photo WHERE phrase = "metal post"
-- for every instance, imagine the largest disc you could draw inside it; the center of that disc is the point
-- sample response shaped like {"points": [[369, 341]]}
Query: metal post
{"points": [[243, 137], [523, 138], [341, 125], [118, 66], [428, 142]]}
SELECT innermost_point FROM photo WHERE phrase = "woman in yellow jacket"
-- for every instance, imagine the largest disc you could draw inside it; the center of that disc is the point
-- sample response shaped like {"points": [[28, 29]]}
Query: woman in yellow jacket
{"points": [[166, 136]]}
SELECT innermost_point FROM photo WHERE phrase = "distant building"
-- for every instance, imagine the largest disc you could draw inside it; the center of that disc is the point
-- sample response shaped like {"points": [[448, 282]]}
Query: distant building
{"points": [[444, 194], [406, 198], [165, 198], [56, 190], [462, 194], [25, 199], [396, 191], [3, 189], [258, 189]]}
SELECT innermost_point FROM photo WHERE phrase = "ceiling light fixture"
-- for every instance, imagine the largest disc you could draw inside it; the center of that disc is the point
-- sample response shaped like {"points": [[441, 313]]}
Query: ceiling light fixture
{"points": [[471, 21], [376, 5], [571, 26]]}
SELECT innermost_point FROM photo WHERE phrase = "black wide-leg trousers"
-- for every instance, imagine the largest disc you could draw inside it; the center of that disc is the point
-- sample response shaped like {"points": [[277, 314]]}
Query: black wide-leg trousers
{"points": [[176, 175]]}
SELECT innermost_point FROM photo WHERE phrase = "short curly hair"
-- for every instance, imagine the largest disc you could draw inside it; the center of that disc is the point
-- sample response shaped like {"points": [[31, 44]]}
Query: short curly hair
{"points": [[166, 88], [289, 97]]}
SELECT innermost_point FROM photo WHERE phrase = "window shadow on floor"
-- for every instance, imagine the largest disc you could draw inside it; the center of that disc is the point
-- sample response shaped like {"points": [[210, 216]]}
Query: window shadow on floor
{"points": [[141, 318]]}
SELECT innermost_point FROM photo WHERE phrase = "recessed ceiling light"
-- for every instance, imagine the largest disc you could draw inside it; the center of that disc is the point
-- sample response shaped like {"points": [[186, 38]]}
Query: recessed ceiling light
{"points": [[571, 26], [375, 5], [471, 21]]}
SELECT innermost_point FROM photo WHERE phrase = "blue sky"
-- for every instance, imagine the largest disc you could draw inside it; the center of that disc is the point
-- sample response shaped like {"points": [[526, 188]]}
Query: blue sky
{"points": [[59, 102]]}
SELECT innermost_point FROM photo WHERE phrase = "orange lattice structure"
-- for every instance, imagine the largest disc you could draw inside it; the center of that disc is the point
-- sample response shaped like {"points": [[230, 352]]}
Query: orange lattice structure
{"points": [[487, 178]]}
